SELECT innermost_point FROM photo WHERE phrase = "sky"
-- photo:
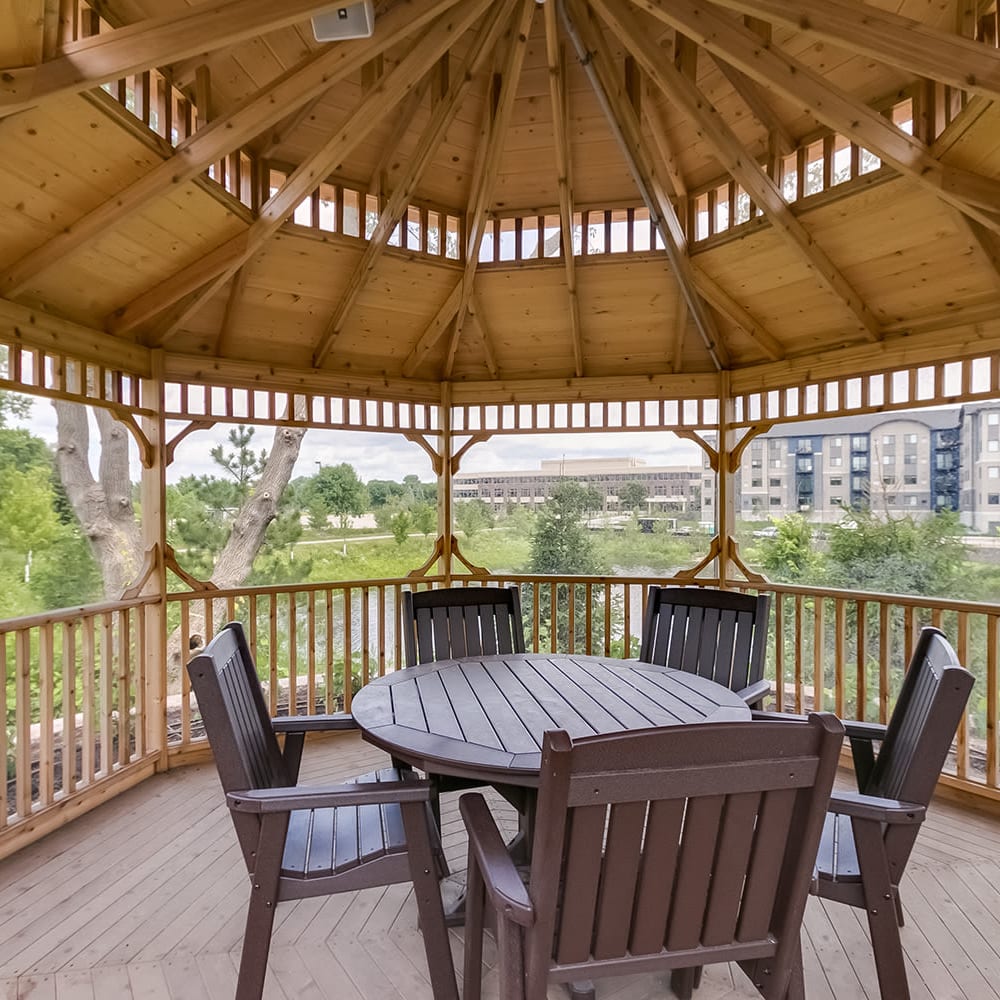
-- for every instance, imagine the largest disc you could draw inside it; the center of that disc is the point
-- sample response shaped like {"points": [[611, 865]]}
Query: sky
{"points": [[390, 456]]}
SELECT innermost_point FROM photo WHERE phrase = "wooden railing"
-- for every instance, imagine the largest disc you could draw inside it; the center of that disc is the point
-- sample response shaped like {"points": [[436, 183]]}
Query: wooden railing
{"points": [[74, 700], [78, 712]]}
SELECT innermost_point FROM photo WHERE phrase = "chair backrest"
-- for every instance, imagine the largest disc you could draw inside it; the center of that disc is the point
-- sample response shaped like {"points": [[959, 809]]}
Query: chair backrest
{"points": [[718, 634], [461, 621], [677, 847], [237, 723], [928, 711]]}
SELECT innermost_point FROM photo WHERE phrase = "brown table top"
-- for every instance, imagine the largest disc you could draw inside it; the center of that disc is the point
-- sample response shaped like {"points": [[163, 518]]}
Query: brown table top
{"points": [[483, 717]]}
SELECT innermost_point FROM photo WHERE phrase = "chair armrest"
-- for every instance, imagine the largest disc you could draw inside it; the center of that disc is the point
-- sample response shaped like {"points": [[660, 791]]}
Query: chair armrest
{"points": [[872, 731], [313, 723], [500, 877], [759, 716], [755, 692], [874, 808], [275, 800]]}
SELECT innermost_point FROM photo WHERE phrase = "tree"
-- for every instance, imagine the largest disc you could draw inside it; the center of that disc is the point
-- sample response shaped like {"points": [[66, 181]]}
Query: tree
{"points": [[897, 555], [341, 491], [632, 495], [400, 525], [243, 464], [559, 543], [424, 519], [790, 555], [471, 516]]}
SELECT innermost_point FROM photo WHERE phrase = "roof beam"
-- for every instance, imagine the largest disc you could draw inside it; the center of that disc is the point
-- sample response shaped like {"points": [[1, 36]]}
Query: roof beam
{"points": [[625, 126], [224, 260], [889, 38], [155, 41], [440, 121], [974, 195], [483, 192], [495, 128], [721, 300], [218, 138], [735, 158], [559, 98]]}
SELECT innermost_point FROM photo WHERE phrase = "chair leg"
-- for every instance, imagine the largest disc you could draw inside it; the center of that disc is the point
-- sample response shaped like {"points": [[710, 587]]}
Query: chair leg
{"points": [[881, 908], [899, 907], [260, 912], [475, 901], [682, 982], [423, 871], [797, 980]]}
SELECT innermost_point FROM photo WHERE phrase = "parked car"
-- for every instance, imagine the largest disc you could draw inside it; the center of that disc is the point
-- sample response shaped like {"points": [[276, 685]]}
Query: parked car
{"points": [[769, 532]]}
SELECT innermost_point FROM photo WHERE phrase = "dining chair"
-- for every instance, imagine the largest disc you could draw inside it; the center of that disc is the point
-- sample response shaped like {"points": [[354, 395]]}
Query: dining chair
{"points": [[461, 621], [718, 634], [869, 834], [301, 841], [657, 849], [451, 622]]}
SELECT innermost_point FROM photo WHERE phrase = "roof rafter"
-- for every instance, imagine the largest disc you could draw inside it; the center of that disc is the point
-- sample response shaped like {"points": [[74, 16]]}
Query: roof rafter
{"points": [[973, 194], [484, 178], [155, 41], [225, 259], [490, 165], [736, 159], [626, 129], [312, 77], [439, 123], [559, 98], [721, 300], [890, 38]]}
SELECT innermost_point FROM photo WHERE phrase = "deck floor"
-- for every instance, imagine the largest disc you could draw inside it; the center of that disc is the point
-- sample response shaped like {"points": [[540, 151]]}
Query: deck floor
{"points": [[145, 897]]}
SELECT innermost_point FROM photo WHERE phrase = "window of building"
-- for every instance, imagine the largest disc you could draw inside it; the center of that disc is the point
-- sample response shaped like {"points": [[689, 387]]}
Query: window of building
{"points": [[859, 442], [836, 442], [993, 472], [910, 479], [889, 439], [775, 501], [993, 419], [891, 498], [756, 483], [775, 463], [804, 464], [774, 482], [909, 459], [909, 439], [837, 462], [756, 463], [888, 459], [837, 501], [993, 499], [804, 445], [912, 500], [993, 445], [836, 480]]}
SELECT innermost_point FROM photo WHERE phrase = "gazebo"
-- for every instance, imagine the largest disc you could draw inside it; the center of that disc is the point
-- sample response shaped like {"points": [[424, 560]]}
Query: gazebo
{"points": [[457, 219]]}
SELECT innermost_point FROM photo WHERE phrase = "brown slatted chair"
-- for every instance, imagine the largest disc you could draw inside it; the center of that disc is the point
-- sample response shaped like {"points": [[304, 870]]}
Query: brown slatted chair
{"points": [[869, 834], [451, 622], [657, 849], [304, 841], [719, 634], [461, 621]]}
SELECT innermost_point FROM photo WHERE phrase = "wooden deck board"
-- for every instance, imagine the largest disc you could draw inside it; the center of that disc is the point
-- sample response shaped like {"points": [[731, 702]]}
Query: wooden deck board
{"points": [[145, 899]]}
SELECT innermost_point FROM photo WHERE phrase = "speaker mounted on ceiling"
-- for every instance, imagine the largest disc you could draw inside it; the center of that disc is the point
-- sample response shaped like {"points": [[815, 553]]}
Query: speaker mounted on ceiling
{"points": [[355, 20]]}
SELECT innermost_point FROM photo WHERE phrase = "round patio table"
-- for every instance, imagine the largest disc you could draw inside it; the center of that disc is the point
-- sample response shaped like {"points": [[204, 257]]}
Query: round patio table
{"points": [[483, 717]]}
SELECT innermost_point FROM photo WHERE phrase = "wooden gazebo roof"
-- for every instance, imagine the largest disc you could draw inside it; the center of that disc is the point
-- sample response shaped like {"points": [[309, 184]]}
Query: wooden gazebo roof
{"points": [[746, 193]]}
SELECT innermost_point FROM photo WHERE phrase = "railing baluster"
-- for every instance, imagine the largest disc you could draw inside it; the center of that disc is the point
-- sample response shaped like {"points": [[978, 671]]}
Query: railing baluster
{"points": [[798, 652], [839, 641], [46, 715], [22, 722], [87, 657], [819, 660], [991, 701], [311, 650], [348, 651], [69, 707], [293, 657], [884, 646], [962, 738]]}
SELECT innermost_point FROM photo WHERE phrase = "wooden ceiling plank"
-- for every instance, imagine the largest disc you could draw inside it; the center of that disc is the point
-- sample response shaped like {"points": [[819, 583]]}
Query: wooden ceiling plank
{"points": [[269, 105], [721, 300], [735, 158], [664, 150], [887, 37], [677, 335], [404, 120], [439, 123], [559, 98], [974, 195], [483, 192], [156, 41], [594, 58], [757, 103], [985, 246], [225, 259], [476, 313], [435, 330], [228, 326], [270, 140]]}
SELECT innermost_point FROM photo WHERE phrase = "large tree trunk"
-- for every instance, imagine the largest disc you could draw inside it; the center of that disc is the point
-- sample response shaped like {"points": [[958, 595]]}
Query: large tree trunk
{"points": [[103, 506], [235, 561]]}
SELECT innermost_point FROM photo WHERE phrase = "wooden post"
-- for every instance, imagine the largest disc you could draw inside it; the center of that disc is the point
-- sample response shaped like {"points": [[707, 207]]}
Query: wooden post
{"points": [[152, 486], [726, 481], [445, 518]]}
